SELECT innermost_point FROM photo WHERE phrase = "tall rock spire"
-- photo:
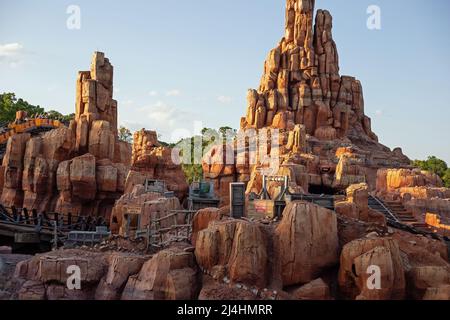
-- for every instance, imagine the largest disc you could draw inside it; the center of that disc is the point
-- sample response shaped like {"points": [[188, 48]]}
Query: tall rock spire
{"points": [[324, 139], [301, 82]]}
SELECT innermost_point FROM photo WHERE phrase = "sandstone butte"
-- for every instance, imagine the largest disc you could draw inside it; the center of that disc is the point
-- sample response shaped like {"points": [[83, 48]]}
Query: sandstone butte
{"points": [[326, 145]]}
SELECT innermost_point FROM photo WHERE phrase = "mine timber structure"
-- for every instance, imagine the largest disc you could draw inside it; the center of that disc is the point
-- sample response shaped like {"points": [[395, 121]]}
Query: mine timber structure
{"points": [[328, 201], [159, 237], [29, 226]]}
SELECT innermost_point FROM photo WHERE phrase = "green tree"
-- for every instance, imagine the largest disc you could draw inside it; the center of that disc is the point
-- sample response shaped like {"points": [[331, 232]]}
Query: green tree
{"points": [[9, 105], [55, 115], [193, 171], [432, 164], [446, 178], [125, 134]]}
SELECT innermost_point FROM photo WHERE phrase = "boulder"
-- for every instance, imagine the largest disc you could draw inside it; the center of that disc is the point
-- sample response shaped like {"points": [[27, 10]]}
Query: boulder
{"points": [[101, 140], [314, 290], [83, 177], [308, 242], [358, 259], [169, 275], [202, 219], [106, 178], [440, 293], [121, 267], [32, 290], [234, 249]]}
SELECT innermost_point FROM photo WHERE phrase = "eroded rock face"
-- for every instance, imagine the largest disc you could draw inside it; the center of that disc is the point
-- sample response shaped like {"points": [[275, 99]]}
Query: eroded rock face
{"points": [[425, 261], [309, 111], [420, 192], [357, 260], [202, 219], [303, 244], [62, 170], [150, 160], [236, 249], [314, 290], [169, 275], [308, 242], [151, 206], [121, 267]]}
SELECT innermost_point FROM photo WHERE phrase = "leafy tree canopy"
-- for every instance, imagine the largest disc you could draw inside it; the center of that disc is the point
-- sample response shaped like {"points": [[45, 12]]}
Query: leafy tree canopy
{"points": [[432, 164], [435, 165], [209, 138], [10, 104], [125, 134]]}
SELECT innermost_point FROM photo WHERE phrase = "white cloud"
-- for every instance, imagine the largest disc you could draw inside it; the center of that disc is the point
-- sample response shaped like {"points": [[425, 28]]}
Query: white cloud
{"points": [[132, 125], [169, 120], [173, 93], [379, 113], [11, 54], [127, 102], [153, 93], [224, 99]]}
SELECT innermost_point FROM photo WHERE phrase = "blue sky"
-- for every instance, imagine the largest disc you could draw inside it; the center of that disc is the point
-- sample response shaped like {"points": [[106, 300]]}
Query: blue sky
{"points": [[177, 62]]}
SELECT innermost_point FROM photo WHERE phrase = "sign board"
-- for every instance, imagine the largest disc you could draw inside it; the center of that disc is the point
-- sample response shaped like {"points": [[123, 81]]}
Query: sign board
{"points": [[133, 209], [260, 209], [27, 238]]}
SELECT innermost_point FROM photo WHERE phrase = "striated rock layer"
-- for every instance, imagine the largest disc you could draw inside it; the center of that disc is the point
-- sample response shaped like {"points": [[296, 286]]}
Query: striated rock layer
{"points": [[151, 160], [324, 135], [80, 169]]}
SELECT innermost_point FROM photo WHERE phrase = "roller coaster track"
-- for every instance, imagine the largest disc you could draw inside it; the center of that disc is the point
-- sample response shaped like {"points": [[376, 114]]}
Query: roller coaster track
{"points": [[32, 126], [22, 221]]}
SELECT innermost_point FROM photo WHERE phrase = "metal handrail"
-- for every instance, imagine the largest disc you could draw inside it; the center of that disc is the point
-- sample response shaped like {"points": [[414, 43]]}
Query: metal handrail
{"points": [[385, 208]]}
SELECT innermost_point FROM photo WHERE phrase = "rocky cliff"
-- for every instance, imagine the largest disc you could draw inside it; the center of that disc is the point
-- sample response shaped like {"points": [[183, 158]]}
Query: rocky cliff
{"points": [[80, 169], [325, 137]]}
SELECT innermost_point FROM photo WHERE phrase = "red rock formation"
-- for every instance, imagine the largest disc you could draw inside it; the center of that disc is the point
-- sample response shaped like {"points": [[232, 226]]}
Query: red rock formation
{"points": [[308, 242], [420, 192], [297, 251], [203, 218], [356, 205], [80, 169], [234, 248], [169, 275], [356, 258], [316, 110], [151, 206], [314, 290], [150, 160]]}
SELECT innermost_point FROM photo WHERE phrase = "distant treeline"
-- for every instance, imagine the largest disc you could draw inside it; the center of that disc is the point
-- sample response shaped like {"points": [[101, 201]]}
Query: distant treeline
{"points": [[10, 104], [437, 166]]}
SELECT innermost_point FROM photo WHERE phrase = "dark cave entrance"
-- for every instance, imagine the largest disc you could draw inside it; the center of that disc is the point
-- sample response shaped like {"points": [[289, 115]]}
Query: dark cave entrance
{"points": [[321, 189]]}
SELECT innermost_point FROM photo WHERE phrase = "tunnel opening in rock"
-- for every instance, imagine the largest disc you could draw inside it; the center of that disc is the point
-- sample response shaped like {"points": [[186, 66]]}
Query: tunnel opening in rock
{"points": [[322, 189]]}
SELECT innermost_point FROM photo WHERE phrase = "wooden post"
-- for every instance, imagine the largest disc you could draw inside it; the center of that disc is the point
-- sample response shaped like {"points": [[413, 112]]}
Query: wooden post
{"points": [[26, 215], [55, 235], [55, 216], [148, 237], [14, 213], [69, 219], [47, 220], [35, 217]]}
